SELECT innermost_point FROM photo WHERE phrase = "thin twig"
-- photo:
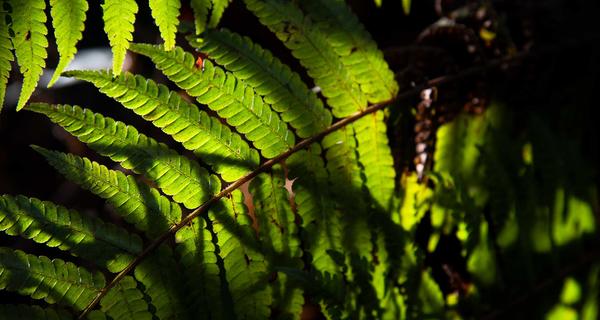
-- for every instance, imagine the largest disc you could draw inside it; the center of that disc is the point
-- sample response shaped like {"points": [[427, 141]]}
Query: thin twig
{"points": [[301, 145]]}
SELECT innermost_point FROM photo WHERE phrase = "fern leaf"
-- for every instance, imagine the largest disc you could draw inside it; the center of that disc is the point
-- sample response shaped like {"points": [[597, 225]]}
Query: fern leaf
{"points": [[281, 87], [22, 311], [275, 217], [55, 281], [176, 175], [119, 17], [165, 289], [314, 51], [347, 184], [375, 156], [406, 6], [30, 43], [342, 164], [279, 235], [357, 50], [218, 8], [166, 15], [320, 221], [6, 56], [456, 150], [230, 97], [60, 282], [201, 9], [125, 301], [136, 202], [245, 268], [68, 18], [198, 255], [225, 151], [414, 201], [44, 222], [208, 13]]}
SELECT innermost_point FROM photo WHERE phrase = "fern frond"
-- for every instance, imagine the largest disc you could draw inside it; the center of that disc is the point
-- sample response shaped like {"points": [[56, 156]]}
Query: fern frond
{"points": [[275, 217], [321, 225], [281, 87], [415, 199], [22, 311], [30, 43], [208, 13], [314, 51], [229, 96], [406, 6], [347, 185], [357, 50], [225, 151], [166, 15], [198, 255], [279, 235], [342, 164], [375, 156], [218, 8], [136, 202], [119, 17], [163, 284], [55, 281], [68, 17], [201, 9], [125, 301], [6, 56], [245, 268], [55, 226], [63, 283], [183, 179], [457, 147]]}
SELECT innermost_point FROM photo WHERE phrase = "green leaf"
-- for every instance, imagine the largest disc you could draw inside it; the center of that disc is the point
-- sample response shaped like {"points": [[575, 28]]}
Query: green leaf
{"points": [[245, 267], [342, 165], [229, 96], [359, 53], [55, 281], [119, 17], [136, 202], [322, 230], [176, 175], [68, 17], [30, 43], [163, 284], [406, 6], [315, 52], [22, 311], [6, 56], [60, 282], [275, 217], [125, 301], [276, 82], [55, 226], [346, 187], [279, 235], [166, 15], [208, 13], [198, 255], [375, 156], [225, 151], [218, 8], [200, 8]]}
